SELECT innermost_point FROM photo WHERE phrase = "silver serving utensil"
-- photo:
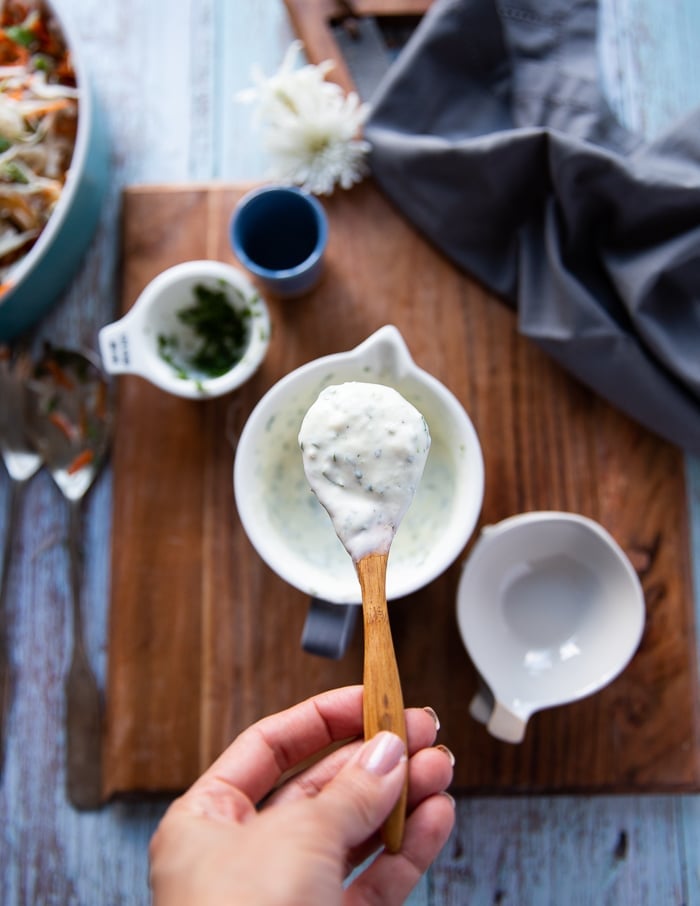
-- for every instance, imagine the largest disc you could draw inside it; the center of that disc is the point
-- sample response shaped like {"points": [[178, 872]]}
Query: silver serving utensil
{"points": [[21, 462], [69, 420]]}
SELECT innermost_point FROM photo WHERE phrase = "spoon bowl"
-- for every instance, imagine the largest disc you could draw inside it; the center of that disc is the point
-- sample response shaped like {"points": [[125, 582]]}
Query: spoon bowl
{"points": [[69, 418], [19, 456]]}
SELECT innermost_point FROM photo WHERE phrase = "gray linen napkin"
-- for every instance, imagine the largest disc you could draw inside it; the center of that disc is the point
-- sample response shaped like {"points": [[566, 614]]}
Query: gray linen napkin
{"points": [[492, 135]]}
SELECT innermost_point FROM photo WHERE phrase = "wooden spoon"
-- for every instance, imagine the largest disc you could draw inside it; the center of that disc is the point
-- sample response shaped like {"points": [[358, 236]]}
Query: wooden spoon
{"points": [[364, 448], [383, 699]]}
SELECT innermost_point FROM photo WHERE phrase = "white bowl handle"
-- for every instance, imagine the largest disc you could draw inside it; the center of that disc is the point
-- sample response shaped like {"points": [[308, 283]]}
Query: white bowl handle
{"points": [[118, 348], [386, 349], [482, 703], [505, 724]]}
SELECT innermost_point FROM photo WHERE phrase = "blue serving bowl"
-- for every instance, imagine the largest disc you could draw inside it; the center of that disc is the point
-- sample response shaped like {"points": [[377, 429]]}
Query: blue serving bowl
{"points": [[41, 277]]}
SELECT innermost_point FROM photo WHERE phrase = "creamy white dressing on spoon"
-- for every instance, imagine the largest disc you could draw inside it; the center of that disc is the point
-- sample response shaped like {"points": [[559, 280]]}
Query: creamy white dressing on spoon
{"points": [[364, 448]]}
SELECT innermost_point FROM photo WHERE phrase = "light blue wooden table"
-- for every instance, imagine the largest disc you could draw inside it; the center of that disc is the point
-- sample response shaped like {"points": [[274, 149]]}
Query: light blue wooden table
{"points": [[166, 72]]}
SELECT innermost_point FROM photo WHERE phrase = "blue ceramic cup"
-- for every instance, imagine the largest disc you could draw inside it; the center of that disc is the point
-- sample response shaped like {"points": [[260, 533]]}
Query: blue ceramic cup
{"points": [[279, 234]]}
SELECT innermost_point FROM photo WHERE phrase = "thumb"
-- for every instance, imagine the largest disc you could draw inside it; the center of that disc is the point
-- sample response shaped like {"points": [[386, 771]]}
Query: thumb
{"points": [[356, 802]]}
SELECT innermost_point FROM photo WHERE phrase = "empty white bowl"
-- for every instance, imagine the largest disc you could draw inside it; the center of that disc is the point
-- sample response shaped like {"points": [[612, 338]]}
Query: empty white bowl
{"points": [[288, 526], [550, 610]]}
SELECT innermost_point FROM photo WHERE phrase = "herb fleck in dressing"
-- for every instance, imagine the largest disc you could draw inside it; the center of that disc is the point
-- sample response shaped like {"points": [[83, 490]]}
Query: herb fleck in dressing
{"points": [[364, 448]]}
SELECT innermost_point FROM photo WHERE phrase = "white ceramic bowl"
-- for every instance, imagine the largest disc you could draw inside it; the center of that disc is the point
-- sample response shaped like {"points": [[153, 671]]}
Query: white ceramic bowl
{"points": [[550, 610], [131, 344], [287, 525]]}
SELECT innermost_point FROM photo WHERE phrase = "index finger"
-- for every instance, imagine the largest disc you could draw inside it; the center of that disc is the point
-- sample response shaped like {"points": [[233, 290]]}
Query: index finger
{"points": [[255, 760]]}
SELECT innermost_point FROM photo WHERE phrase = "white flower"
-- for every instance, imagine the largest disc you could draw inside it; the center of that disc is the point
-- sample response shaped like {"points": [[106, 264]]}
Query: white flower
{"points": [[312, 129]]}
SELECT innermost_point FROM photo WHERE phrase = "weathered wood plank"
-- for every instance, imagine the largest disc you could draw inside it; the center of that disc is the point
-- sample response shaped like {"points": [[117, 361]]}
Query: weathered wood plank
{"points": [[564, 850]]}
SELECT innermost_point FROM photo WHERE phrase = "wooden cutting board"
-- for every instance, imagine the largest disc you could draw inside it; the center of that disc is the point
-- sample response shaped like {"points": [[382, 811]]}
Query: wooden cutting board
{"points": [[204, 637]]}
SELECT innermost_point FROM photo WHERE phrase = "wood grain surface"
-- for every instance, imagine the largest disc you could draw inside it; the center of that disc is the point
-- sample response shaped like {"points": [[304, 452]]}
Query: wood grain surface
{"points": [[205, 637]]}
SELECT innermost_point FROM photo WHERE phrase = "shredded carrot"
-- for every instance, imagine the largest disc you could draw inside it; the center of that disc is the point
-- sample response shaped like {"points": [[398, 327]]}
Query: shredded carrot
{"points": [[65, 70], [58, 374], [81, 460], [12, 53], [64, 425], [5, 287], [50, 107]]}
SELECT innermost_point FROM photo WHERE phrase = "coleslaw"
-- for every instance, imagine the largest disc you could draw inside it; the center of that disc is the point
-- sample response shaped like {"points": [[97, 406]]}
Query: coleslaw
{"points": [[38, 126]]}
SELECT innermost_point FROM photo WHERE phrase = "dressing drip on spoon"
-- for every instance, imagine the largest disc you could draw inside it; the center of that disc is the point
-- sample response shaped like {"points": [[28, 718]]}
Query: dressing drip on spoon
{"points": [[364, 449]]}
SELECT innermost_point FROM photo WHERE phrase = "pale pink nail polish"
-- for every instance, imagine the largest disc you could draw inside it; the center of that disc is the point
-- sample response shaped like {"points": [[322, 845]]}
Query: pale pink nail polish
{"points": [[447, 752], [433, 713], [450, 798], [382, 753]]}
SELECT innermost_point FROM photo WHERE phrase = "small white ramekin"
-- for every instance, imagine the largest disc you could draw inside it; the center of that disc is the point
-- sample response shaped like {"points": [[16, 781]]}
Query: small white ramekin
{"points": [[131, 344]]}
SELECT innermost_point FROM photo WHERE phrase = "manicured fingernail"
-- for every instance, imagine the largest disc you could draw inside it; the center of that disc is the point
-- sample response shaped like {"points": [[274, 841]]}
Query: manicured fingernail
{"points": [[450, 798], [433, 713], [447, 752], [382, 753]]}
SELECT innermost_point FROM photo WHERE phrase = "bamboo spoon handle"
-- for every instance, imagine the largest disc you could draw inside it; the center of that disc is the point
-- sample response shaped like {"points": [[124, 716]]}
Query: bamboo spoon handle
{"points": [[383, 700]]}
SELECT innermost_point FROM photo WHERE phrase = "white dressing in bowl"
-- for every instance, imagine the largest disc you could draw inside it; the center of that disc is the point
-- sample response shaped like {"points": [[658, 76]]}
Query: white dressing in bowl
{"points": [[286, 523]]}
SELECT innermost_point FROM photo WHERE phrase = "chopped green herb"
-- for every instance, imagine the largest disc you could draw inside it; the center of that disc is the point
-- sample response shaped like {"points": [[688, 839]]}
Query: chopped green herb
{"points": [[11, 171], [43, 63], [20, 35], [221, 329], [167, 347]]}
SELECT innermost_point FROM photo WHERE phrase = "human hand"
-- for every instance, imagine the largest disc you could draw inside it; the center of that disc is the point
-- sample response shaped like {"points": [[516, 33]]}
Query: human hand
{"points": [[213, 846]]}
